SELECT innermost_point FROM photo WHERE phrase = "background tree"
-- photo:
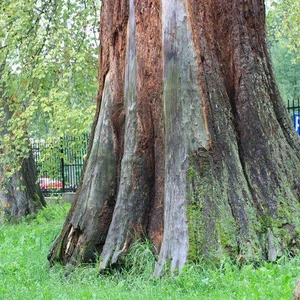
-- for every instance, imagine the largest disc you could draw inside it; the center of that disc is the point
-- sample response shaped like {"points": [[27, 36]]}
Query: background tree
{"points": [[52, 53], [19, 192], [191, 146], [287, 68], [283, 22], [49, 73], [20, 195]]}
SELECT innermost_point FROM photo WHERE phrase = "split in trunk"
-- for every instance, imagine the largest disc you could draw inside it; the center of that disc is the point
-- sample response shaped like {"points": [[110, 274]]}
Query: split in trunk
{"points": [[192, 146]]}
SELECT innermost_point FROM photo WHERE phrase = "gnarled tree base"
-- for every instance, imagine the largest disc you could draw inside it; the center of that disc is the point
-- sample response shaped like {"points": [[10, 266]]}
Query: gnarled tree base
{"points": [[20, 194], [192, 146]]}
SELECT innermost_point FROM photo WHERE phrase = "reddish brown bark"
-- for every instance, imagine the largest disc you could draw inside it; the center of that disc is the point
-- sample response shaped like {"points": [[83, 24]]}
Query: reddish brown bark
{"points": [[192, 146], [150, 108]]}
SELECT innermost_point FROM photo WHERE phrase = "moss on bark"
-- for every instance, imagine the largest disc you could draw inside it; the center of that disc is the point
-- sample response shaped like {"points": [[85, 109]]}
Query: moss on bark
{"points": [[197, 129]]}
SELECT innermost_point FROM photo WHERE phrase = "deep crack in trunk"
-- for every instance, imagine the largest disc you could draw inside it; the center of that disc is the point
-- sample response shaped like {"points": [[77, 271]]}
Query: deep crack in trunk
{"points": [[191, 126]]}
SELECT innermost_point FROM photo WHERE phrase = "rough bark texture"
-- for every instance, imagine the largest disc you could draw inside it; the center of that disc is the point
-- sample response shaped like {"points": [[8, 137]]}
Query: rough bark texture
{"points": [[192, 146], [296, 293], [20, 194]]}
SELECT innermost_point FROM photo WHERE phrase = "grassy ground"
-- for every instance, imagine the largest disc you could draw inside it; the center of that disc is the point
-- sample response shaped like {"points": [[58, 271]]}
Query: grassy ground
{"points": [[25, 274]]}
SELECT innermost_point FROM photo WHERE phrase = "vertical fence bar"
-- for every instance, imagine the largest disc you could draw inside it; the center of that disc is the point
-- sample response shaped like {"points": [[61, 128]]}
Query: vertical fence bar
{"points": [[65, 168], [62, 163]]}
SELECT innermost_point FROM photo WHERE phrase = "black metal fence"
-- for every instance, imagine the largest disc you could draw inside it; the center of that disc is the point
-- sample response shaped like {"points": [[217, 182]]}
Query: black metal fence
{"points": [[59, 163], [293, 106]]}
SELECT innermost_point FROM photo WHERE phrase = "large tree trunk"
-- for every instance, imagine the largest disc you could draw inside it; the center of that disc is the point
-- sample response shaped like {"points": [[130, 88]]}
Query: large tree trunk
{"points": [[192, 146], [20, 194]]}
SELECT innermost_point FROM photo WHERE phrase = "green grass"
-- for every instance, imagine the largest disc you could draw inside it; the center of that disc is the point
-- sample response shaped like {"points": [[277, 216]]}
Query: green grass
{"points": [[25, 273]]}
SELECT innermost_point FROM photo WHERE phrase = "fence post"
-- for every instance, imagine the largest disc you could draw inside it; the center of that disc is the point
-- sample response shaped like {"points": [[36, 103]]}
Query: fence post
{"points": [[69, 170], [62, 162]]}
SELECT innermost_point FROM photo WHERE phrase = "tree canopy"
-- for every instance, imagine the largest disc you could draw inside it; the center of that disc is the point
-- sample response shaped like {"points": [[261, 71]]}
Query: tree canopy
{"points": [[283, 23], [48, 59]]}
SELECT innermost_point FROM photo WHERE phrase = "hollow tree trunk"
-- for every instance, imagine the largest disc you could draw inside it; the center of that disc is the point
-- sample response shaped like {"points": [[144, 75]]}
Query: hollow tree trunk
{"points": [[192, 146], [20, 194]]}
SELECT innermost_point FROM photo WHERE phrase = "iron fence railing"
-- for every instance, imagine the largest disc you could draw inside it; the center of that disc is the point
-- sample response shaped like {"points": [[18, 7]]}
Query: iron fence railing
{"points": [[59, 163], [293, 106]]}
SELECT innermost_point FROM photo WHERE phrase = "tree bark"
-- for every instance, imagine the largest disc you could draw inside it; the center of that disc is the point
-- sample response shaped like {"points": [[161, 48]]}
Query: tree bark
{"points": [[20, 194], [192, 146]]}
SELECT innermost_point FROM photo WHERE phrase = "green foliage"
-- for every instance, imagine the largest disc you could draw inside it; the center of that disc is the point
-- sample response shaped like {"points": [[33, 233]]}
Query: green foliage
{"points": [[25, 273], [51, 213], [48, 71], [287, 68], [283, 23]]}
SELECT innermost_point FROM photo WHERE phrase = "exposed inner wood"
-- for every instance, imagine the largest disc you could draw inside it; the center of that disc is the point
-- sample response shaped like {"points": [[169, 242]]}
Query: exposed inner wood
{"points": [[192, 147]]}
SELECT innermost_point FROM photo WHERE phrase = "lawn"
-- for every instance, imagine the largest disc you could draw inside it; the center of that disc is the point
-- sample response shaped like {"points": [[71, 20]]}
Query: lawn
{"points": [[25, 273]]}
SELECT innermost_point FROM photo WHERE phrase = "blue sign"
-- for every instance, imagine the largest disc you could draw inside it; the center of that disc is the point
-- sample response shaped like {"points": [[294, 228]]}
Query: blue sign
{"points": [[297, 122]]}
